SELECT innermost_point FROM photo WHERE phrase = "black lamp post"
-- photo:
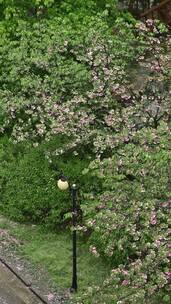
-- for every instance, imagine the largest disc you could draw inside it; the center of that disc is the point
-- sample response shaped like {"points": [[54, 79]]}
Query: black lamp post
{"points": [[63, 184]]}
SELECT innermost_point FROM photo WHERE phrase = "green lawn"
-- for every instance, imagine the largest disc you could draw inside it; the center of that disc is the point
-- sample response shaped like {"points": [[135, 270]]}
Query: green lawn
{"points": [[53, 252]]}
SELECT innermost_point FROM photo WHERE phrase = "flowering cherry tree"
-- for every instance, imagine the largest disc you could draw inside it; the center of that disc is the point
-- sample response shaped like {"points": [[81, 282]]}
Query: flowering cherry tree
{"points": [[131, 218], [109, 108]]}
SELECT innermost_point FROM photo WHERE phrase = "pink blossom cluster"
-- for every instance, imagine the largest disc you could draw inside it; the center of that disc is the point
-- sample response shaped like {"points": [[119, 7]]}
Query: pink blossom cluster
{"points": [[93, 250], [153, 219]]}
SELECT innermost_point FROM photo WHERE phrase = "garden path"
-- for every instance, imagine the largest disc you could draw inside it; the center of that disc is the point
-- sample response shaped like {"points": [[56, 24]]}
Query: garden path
{"points": [[12, 290]]}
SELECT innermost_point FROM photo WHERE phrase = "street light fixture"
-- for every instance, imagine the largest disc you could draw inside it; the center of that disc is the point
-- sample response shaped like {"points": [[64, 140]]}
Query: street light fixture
{"points": [[63, 184]]}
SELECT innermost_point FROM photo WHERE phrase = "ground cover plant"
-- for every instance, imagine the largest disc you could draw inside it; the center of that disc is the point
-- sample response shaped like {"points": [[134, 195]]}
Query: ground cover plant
{"points": [[75, 83]]}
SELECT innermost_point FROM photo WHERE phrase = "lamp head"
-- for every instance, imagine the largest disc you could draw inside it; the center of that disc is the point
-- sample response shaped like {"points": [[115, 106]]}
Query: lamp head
{"points": [[62, 183]]}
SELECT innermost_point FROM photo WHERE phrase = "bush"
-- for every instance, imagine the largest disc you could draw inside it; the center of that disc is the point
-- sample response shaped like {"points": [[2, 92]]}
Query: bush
{"points": [[28, 184]]}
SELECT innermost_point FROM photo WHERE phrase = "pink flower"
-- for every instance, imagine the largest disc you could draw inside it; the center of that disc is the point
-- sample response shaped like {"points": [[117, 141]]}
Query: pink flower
{"points": [[155, 67], [125, 282], [125, 272], [158, 243], [50, 296], [149, 22], [168, 275], [93, 250], [153, 220]]}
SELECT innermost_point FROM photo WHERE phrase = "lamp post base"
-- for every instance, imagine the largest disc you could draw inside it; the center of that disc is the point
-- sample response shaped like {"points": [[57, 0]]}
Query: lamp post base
{"points": [[72, 290]]}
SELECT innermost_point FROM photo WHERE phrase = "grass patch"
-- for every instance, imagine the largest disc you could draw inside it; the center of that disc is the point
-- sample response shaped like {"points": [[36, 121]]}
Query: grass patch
{"points": [[53, 252]]}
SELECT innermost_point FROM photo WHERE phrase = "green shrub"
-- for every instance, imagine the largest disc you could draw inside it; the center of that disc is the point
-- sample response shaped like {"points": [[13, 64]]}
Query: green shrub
{"points": [[28, 184]]}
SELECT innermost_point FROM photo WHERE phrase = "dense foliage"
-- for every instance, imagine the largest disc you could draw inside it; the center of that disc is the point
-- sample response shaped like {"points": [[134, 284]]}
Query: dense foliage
{"points": [[28, 179], [131, 225], [69, 84]]}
